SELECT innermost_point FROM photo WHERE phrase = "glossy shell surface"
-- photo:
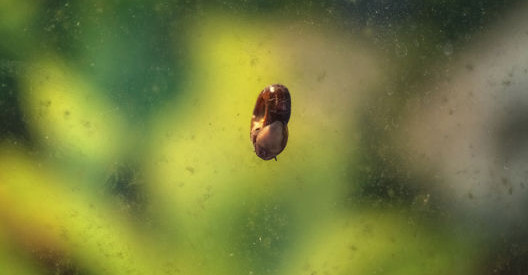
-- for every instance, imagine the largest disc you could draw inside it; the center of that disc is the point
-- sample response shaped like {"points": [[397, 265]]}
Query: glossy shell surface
{"points": [[269, 122]]}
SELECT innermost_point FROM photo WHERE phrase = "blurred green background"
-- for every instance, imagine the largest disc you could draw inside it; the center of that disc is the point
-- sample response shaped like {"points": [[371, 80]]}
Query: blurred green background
{"points": [[124, 137]]}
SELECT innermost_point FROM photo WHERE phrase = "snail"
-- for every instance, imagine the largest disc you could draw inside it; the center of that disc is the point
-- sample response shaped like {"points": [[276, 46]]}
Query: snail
{"points": [[269, 123]]}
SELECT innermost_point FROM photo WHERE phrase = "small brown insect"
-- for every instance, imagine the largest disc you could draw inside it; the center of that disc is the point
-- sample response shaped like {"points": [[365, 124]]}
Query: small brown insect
{"points": [[269, 123]]}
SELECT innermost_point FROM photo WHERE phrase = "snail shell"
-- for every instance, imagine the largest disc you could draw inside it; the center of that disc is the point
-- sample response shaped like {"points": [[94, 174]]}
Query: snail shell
{"points": [[269, 123]]}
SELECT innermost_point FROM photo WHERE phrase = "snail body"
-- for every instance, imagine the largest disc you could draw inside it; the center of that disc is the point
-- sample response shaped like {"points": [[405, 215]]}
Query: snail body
{"points": [[269, 123]]}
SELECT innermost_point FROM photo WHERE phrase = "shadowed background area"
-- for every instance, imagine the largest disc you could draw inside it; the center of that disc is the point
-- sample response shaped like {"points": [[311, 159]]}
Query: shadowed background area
{"points": [[125, 149]]}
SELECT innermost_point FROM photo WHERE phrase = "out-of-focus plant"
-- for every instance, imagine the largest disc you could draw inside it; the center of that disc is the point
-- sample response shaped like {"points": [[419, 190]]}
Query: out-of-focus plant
{"points": [[127, 149]]}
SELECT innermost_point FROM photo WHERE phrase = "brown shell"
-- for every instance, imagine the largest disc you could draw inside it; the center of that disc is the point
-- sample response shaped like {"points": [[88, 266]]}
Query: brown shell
{"points": [[273, 105]]}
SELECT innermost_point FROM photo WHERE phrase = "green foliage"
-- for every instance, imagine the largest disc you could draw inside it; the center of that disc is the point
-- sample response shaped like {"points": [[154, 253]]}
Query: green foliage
{"points": [[125, 141]]}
